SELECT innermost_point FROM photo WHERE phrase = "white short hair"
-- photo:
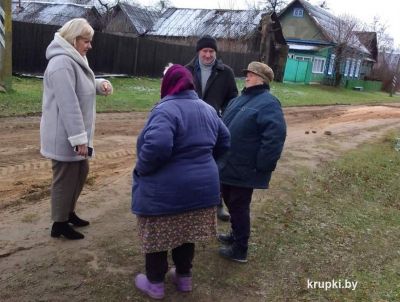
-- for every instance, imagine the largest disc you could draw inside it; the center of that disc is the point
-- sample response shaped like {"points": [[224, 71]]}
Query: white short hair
{"points": [[167, 67], [78, 27]]}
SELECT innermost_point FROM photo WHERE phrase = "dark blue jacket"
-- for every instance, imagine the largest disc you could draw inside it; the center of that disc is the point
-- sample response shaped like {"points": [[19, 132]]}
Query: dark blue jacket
{"points": [[258, 131], [176, 170]]}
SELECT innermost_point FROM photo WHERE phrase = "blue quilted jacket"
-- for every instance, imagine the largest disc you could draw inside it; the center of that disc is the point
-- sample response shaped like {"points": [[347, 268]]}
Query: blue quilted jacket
{"points": [[176, 170]]}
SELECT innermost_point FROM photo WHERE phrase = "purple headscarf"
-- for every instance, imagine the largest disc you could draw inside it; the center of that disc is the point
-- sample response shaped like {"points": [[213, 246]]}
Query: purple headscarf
{"points": [[176, 79]]}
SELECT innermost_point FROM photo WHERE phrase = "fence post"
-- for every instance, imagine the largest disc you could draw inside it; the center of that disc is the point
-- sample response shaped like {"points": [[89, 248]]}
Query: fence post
{"points": [[136, 56], [5, 45], [394, 80]]}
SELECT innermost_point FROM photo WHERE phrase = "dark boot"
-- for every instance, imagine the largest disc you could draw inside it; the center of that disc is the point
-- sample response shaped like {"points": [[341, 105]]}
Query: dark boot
{"points": [[222, 214], [76, 221], [226, 239], [234, 253], [64, 229]]}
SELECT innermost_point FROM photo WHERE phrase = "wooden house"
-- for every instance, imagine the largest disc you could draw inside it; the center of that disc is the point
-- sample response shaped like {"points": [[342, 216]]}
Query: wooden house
{"points": [[131, 20], [313, 36], [54, 13]]}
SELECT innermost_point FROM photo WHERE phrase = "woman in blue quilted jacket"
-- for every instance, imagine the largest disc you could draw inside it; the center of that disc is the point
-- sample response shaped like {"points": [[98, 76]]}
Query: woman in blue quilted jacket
{"points": [[175, 181]]}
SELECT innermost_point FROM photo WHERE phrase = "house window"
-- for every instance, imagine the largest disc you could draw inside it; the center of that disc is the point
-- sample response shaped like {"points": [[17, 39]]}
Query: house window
{"points": [[298, 12], [347, 67], [353, 68], [357, 72], [331, 64], [301, 58], [318, 65]]}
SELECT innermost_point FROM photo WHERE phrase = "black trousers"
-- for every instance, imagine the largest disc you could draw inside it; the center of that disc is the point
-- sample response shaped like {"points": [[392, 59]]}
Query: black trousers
{"points": [[238, 199], [157, 263]]}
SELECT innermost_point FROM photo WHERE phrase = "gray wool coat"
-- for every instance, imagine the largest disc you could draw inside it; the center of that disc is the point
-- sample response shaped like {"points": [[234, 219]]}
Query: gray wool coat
{"points": [[69, 102]]}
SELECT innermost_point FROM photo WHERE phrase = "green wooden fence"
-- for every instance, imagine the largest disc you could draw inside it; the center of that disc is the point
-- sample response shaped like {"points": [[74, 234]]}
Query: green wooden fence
{"points": [[366, 85]]}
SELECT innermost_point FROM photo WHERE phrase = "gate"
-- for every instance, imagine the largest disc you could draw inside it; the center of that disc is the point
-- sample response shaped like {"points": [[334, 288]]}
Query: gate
{"points": [[297, 71]]}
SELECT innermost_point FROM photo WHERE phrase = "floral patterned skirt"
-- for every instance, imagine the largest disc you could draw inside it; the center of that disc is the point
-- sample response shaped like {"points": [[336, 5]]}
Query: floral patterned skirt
{"points": [[162, 233]]}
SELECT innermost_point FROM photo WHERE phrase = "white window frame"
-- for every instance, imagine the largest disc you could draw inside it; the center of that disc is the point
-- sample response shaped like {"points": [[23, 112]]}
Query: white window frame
{"points": [[318, 65], [358, 67], [347, 67], [303, 58], [353, 68], [331, 64], [298, 12]]}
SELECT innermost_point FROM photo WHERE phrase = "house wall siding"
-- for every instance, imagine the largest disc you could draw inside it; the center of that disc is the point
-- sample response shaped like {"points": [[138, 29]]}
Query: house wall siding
{"points": [[120, 24], [299, 28]]}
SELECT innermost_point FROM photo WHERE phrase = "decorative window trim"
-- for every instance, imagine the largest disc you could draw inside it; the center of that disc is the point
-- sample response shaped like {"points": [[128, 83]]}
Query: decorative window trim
{"points": [[331, 64], [347, 67], [318, 65], [353, 68], [298, 12], [358, 68], [303, 58]]}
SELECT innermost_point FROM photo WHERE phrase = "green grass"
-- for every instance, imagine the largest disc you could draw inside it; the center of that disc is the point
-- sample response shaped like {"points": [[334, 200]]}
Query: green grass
{"points": [[300, 95], [130, 94], [25, 97], [340, 222], [140, 94]]}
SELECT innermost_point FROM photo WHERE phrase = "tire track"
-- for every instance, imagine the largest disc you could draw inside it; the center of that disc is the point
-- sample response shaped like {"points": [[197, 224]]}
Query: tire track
{"points": [[46, 164]]}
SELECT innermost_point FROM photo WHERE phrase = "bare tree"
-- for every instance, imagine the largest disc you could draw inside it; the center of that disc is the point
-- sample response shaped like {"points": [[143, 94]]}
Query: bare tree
{"points": [[275, 5], [387, 66], [107, 5], [161, 5], [385, 41], [106, 9], [323, 4], [343, 31]]}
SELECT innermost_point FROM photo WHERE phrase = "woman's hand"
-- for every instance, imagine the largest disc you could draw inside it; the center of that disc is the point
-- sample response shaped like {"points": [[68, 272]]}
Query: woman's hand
{"points": [[106, 88], [82, 150]]}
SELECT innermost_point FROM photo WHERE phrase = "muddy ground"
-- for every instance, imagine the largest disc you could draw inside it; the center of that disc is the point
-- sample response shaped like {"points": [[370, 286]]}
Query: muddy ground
{"points": [[30, 259]]}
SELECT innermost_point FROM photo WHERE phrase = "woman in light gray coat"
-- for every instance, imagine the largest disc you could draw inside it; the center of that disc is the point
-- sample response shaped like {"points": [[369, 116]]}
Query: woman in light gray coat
{"points": [[68, 119]]}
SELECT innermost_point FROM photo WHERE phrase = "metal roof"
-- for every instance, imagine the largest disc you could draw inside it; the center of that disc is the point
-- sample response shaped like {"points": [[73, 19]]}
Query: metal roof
{"points": [[49, 12], [220, 23], [142, 19]]}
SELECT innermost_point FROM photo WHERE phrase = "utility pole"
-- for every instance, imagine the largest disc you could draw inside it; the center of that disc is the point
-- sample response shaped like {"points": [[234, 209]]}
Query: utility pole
{"points": [[395, 76], [5, 45]]}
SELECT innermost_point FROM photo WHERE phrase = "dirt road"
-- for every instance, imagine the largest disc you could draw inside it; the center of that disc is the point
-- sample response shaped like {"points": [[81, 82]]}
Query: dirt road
{"points": [[27, 253]]}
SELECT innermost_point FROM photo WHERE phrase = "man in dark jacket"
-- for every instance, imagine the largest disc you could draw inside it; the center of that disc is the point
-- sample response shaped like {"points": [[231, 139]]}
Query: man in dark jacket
{"points": [[214, 83], [258, 132]]}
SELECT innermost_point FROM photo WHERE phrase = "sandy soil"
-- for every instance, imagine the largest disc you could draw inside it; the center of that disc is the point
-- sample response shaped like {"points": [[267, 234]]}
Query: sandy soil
{"points": [[315, 134]]}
